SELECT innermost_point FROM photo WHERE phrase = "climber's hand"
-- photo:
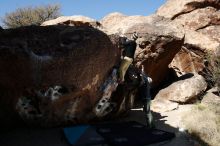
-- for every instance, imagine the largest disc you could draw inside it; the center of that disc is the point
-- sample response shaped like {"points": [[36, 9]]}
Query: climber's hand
{"points": [[120, 81]]}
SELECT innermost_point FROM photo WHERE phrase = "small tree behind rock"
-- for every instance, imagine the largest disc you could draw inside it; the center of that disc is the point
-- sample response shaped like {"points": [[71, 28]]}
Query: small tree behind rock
{"points": [[31, 16]]}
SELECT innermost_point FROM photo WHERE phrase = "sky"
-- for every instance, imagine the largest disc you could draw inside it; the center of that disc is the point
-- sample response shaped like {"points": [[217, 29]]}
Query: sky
{"points": [[95, 9]]}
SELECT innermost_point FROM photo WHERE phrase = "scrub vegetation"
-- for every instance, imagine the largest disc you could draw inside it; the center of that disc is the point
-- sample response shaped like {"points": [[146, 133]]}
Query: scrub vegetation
{"points": [[31, 15]]}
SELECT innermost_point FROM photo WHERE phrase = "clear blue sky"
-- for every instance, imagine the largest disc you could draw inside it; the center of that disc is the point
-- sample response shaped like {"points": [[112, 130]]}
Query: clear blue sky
{"points": [[92, 8]]}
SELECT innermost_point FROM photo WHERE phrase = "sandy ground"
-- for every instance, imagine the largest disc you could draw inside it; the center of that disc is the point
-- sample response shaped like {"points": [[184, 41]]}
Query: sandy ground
{"points": [[169, 121]]}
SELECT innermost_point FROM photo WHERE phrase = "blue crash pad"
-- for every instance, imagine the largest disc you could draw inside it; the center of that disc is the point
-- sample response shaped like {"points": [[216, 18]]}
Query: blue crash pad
{"points": [[117, 134]]}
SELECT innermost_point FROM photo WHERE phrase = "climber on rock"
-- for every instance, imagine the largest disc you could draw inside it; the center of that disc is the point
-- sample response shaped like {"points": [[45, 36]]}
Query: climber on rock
{"points": [[129, 47], [130, 78], [140, 81]]}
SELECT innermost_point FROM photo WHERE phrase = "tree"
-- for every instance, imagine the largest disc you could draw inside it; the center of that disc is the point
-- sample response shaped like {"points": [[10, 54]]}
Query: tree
{"points": [[31, 15]]}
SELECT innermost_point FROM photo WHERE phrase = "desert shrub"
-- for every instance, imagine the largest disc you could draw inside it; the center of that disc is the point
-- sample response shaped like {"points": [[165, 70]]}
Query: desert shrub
{"points": [[213, 67], [31, 15], [216, 72], [203, 122]]}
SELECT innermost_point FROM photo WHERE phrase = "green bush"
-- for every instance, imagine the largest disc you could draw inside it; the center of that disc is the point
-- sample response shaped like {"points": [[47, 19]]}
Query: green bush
{"points": [[31, 16]]}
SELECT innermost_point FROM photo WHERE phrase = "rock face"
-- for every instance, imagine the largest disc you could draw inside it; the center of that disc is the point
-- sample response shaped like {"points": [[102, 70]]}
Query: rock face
{"points": [[76, 20], [159, 40], [201, 20], [51, 75]]}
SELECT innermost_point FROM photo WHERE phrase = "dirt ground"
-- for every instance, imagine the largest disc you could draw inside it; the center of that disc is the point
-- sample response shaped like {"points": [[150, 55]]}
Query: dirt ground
{"points": [[169, 121]]}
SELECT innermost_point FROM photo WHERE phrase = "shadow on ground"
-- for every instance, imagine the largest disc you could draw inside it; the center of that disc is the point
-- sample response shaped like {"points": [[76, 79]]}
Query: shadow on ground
{"points": [[54, 136]]}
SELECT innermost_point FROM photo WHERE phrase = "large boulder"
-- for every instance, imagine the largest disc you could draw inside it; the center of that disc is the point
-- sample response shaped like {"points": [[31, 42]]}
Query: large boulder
{"points": [[194, 39], [109, 21], [159, 40], [119, 23], [76, 20], [182, 91], [52, 75], [174, 8], [201, 20]]}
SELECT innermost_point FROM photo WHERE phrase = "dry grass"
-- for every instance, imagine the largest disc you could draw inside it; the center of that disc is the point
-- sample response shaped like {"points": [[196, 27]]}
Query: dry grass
{"points": [[213, 75], [203, 122]]}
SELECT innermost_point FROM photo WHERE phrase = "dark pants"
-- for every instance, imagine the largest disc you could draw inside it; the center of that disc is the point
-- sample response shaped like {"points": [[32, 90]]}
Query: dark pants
{"points": [[138, 80], [144, 92]]}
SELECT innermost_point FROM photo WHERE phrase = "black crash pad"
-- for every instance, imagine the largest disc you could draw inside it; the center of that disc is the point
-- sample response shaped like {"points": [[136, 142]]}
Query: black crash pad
{"points": [[115, 134]]}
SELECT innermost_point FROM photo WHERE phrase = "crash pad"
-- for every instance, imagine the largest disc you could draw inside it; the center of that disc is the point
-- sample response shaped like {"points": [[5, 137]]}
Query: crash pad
{"points": [[115, 134], [83, 135]]}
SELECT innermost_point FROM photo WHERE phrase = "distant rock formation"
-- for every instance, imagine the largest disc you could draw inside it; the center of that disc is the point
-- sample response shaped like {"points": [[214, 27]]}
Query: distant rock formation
{"points": [[76, 20]]}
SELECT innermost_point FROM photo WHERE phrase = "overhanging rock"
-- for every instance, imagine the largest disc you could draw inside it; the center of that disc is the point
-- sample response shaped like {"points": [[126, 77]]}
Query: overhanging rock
{"points": [[159, 40], [52, 75]]}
